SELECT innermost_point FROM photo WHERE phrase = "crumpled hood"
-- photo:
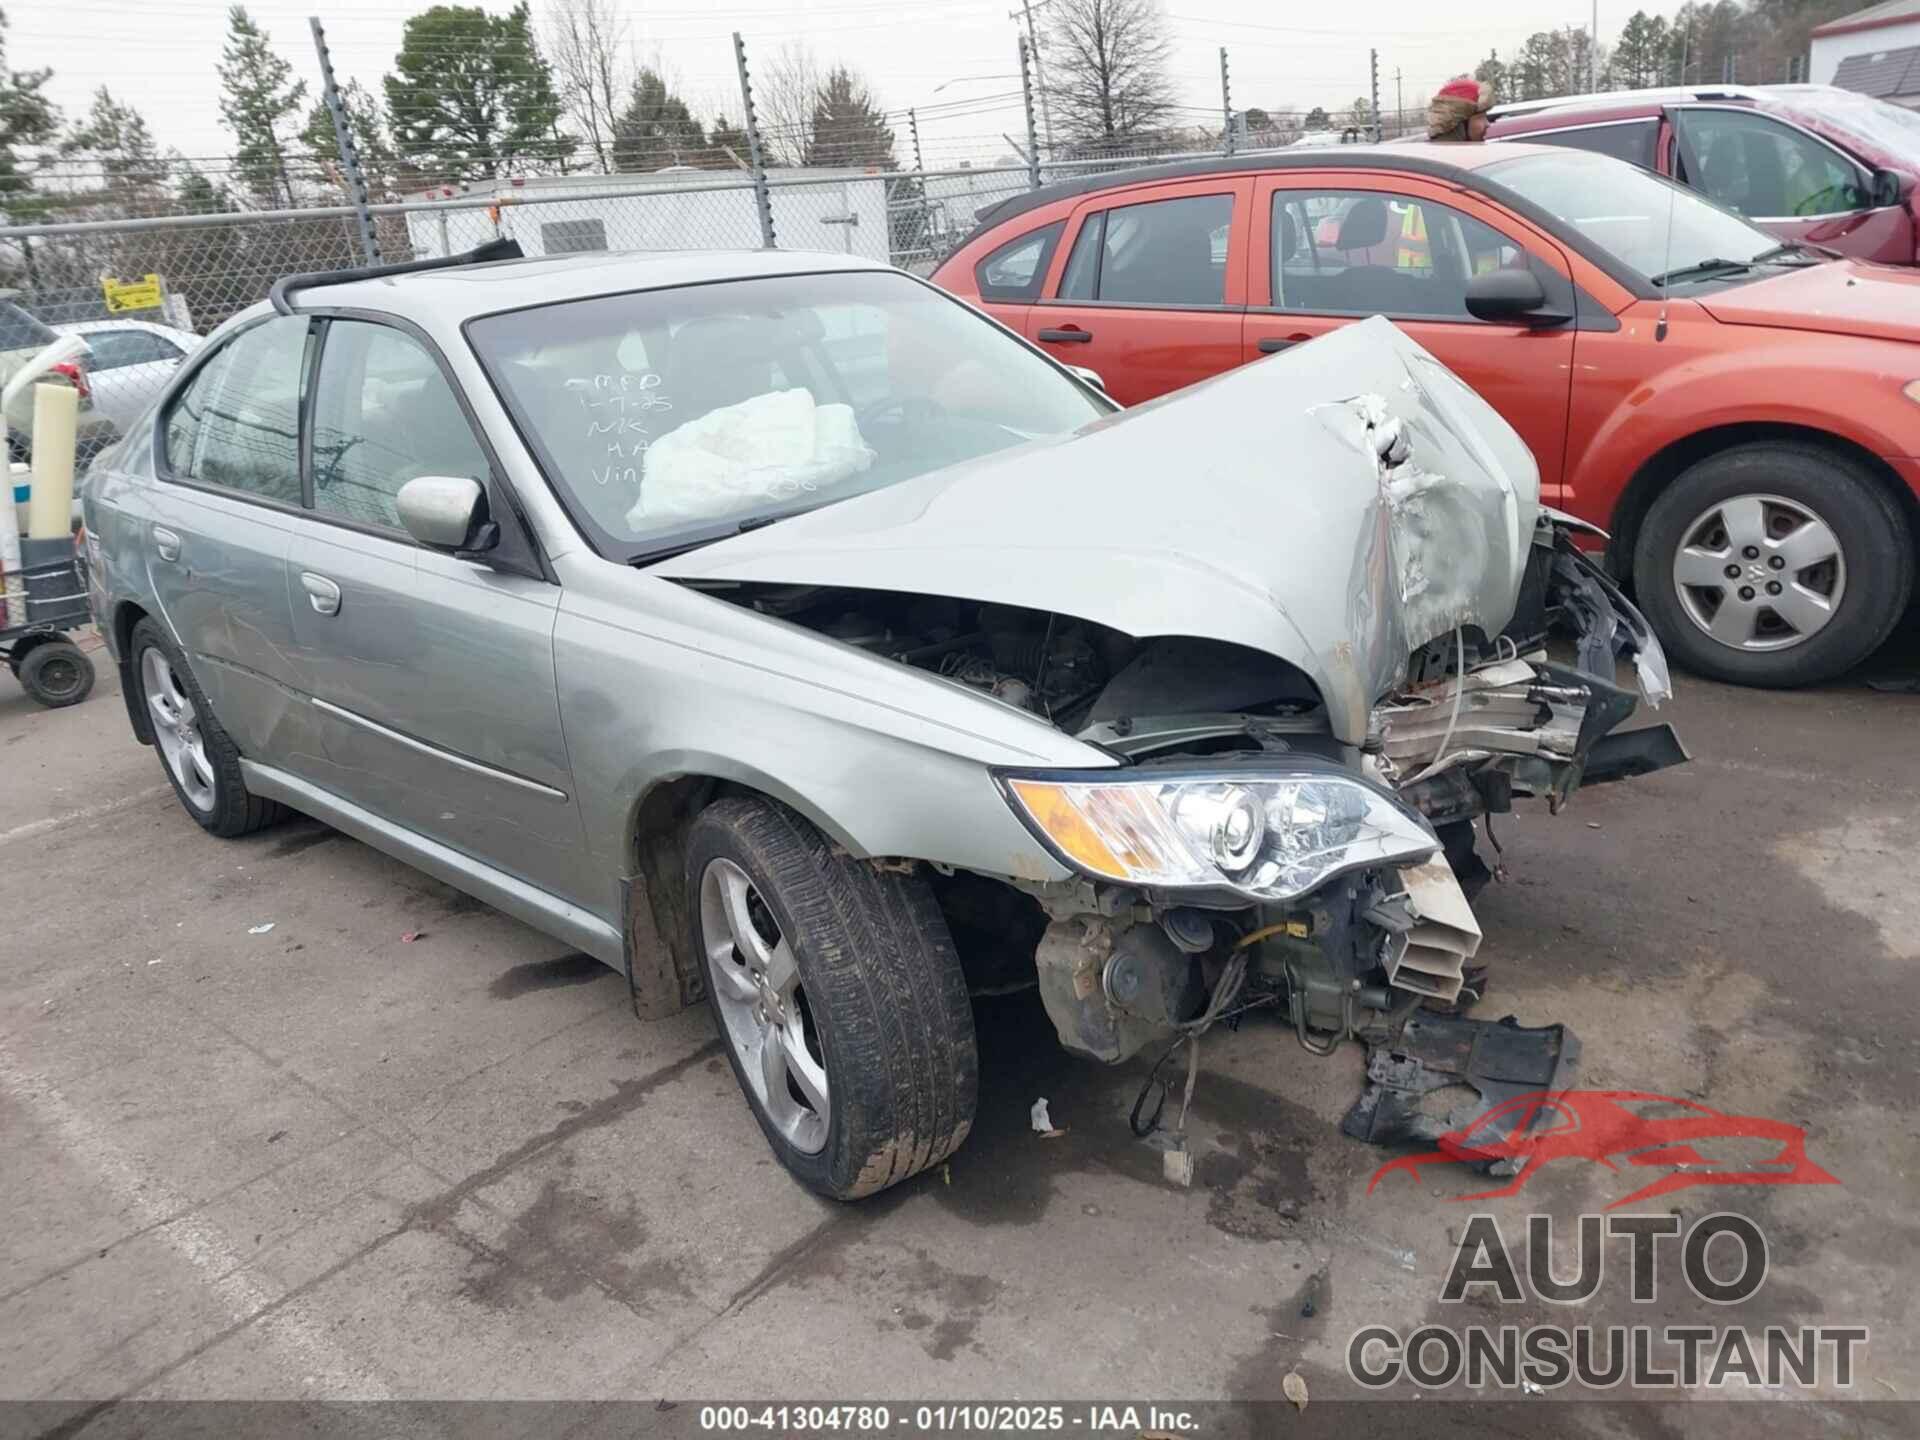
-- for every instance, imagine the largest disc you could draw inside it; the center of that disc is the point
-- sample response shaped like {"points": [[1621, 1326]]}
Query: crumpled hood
{"points": [[1842, 297], [1337, 505]]}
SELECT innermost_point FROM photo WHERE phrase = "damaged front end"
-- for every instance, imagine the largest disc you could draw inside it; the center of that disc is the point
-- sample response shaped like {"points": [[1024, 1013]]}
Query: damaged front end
{"points": [[1305, 689]]}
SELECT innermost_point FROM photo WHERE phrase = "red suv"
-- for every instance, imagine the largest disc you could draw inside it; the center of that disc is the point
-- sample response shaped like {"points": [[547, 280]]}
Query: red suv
{"points": [[1811, 163], [1742, 415]]}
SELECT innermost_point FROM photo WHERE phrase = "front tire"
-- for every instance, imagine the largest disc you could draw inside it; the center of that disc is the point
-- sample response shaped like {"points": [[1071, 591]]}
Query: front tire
{"points": [[1774, 564], [839, 997], [201, 761]]}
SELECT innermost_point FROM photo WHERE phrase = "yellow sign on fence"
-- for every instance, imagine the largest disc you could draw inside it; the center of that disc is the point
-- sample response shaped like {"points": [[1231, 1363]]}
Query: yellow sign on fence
{"points": [[124, 295]]}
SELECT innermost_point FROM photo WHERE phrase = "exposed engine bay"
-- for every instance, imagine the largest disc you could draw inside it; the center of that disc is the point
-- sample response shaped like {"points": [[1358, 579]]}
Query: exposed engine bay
{"points": [[1479, 721]]}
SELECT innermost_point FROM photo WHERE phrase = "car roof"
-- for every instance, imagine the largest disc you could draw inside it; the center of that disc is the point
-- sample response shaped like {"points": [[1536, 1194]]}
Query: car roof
{"points": [[1426, 157], [459, 292]]}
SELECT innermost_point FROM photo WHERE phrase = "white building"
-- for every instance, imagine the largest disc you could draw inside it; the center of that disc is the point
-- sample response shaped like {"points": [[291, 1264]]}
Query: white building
{"points": [[1875, 51]]}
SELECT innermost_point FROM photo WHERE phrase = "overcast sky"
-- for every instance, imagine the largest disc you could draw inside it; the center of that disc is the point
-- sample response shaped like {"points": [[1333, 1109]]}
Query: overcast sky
{"points": [[160, 55]]}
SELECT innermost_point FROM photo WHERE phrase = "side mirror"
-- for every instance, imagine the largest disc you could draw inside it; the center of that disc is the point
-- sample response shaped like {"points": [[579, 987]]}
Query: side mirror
{"points": [[1092, 377], [447, 512], [1511, 295], [1890, 187]]}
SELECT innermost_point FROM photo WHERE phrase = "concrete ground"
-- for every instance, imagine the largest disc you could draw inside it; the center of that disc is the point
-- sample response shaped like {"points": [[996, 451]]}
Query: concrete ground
{"points": [[325, 1159]]}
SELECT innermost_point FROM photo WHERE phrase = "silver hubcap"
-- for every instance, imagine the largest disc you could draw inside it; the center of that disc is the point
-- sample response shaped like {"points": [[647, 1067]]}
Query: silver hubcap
{"points": [[751, 968], [176, 728], [1760, 572]]}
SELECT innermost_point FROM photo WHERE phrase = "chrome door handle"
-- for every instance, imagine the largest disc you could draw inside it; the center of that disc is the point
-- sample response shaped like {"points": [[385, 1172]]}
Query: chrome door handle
{"points": [[166, 544], [322, 593]]}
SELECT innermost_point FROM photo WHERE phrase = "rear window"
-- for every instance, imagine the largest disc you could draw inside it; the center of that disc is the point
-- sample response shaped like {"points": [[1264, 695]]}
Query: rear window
{"points": [[19, 330], [1629, 140]]}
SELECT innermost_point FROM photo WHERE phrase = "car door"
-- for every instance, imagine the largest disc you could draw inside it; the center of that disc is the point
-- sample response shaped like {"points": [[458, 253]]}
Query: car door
{"points": [[431, 676], [1152, 288], [1794, 183], [1336, 248], [223, 514]]}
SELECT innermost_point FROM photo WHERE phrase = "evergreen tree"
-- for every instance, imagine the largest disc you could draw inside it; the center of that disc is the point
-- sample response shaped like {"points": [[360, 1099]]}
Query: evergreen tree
{"points": [[847, 127], [258, 100], [472, 97], [656, 129], [368, 128], [1640, 57], [116, 149], [27, 119], [727, 147]]}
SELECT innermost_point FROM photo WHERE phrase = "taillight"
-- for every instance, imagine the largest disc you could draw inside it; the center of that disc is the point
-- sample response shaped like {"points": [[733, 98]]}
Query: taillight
{"points": [[75, 376]]}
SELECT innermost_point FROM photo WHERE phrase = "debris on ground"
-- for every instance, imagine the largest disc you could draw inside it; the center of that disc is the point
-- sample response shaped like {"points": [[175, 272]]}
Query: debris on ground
{"points": [[410, 936], [1293, 1385], [1042, 1122], [260, 929]]}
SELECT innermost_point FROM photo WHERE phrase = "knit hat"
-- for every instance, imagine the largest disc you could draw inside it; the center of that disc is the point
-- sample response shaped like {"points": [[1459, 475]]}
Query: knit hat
{"points": [[1457, 102]]}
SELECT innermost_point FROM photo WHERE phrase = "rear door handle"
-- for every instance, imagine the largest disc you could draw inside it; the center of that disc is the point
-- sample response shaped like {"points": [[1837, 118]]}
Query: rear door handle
{"points": [[1274, 344], [1073, 335], [166, 544], [322, 593]]}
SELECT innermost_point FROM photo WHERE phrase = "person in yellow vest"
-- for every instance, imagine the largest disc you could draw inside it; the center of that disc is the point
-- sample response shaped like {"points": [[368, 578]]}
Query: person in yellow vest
{"points": [[1413, 253]]}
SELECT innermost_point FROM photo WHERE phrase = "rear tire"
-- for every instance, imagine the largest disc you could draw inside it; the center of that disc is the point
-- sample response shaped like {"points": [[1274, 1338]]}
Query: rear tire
{"points": [[1722, 548], [853, 973], [201, 761]]}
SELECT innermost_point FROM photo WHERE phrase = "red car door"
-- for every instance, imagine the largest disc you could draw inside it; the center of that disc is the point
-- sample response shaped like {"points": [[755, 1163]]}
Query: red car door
{"points": [[1332, 247], [1149, 285]]}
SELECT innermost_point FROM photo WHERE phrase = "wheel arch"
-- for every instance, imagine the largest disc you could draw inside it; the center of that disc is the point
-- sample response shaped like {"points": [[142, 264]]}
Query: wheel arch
{"points": [[1666, 465], [664, 973]]}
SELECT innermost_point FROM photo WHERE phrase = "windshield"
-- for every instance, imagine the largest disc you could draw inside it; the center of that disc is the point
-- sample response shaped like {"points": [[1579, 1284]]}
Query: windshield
{"points": [[1647, 223], [667, 417]]}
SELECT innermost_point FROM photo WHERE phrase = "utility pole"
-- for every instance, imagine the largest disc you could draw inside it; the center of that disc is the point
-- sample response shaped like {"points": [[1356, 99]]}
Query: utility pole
{"points": [[1399, 104], [1033, 42], [762, 196], [1373, 69], [356, 181], [1226, 104], [913, 128], [1593, 52]]}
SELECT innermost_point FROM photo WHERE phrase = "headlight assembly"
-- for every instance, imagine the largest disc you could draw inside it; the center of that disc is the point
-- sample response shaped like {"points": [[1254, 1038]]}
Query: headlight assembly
{"points": [[1270, 836]]}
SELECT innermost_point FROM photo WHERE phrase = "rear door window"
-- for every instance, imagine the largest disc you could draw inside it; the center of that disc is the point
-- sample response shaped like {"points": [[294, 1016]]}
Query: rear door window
{"points": [[1765, 170], [1162, 252], [237, 424], [1629, 140], [117, 349]]}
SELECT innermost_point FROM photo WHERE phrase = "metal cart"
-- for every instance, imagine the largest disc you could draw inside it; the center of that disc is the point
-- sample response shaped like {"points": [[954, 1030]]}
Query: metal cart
{"points": [[51, 668]]}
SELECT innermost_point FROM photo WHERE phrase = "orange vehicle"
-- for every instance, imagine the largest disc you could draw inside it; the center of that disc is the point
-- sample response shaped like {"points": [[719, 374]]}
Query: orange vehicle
{"points": [[1742, 416]]}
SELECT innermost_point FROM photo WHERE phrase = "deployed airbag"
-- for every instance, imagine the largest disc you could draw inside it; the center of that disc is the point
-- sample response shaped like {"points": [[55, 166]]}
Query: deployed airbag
{"points": [[779, 446]]}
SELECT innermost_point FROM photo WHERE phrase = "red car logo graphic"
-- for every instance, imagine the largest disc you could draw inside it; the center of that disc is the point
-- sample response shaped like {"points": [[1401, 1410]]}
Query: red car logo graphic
{"points": [[1618, 1128]]}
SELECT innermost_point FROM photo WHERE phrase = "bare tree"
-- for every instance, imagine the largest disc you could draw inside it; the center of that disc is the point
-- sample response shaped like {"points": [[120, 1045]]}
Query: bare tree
{"points": [[1107, 67], [785, 90], [587, 40]]}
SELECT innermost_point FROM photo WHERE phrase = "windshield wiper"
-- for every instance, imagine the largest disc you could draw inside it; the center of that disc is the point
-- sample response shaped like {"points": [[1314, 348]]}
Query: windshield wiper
{"points": [[1702, 270], [740, 527], [1791, 250]]}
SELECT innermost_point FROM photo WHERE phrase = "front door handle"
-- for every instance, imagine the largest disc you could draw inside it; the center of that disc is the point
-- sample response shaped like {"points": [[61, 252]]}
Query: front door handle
{"points": [[1071, 334], [322, 593], [1274, 344], [166, 544]]}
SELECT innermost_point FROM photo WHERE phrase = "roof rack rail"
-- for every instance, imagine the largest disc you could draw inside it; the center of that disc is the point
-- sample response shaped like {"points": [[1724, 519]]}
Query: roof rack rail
{"points": [[282, 292]]}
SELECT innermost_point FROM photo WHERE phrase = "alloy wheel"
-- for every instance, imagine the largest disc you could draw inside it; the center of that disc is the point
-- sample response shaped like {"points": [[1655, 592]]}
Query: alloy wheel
{"points": [[1759, 572], [763, 1007], [176, 729]]}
